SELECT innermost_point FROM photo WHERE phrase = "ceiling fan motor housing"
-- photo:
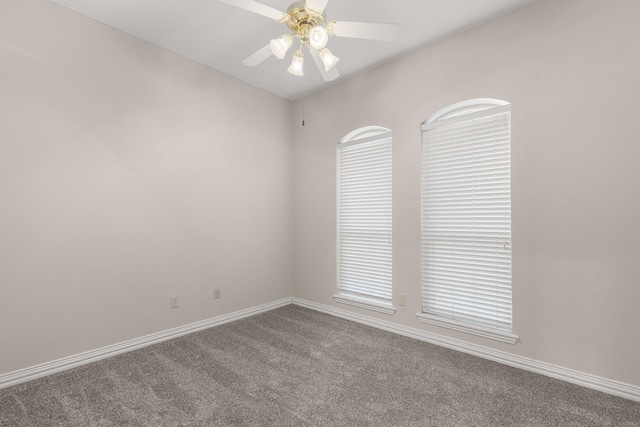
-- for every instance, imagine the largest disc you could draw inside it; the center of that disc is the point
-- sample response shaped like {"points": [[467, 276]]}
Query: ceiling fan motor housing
{"points": [[301, 20]]}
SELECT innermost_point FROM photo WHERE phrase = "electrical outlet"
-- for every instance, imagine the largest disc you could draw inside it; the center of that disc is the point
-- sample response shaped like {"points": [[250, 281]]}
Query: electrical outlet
{"points": [[174, 301], [403, 299], [216, 294]]}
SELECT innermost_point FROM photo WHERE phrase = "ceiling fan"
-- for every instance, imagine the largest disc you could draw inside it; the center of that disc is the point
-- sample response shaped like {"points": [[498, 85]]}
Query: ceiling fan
{"points": [[307, 22]]}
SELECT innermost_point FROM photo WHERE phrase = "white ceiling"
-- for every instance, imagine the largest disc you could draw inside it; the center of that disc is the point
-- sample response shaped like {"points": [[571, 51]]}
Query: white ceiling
{"points": [[221, 36]]}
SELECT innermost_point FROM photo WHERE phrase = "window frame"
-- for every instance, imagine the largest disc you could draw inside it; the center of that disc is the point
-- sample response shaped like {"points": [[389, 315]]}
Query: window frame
{"points": [[473, 108], [359, 136]]}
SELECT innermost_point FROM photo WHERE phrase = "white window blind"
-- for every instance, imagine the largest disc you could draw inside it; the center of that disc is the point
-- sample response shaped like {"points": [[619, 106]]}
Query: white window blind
{"points": [[466, 221], [364, 220]]}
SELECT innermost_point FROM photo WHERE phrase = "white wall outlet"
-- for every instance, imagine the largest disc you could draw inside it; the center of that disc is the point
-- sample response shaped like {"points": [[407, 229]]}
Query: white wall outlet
{"points": [[403, 299], [174, 301], [216, 294]]}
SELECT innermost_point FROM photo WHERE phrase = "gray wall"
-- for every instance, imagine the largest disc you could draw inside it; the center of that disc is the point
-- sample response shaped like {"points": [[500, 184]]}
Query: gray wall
{"points": [[129, 174], [570, 69]]}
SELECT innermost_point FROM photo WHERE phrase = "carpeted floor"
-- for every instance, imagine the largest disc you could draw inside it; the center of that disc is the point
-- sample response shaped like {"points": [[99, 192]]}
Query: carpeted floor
{"points": [[297, 367]]}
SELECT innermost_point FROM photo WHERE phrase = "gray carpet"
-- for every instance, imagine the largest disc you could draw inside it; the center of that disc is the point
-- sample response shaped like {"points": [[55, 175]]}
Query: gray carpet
{"points": [[297, 367]]}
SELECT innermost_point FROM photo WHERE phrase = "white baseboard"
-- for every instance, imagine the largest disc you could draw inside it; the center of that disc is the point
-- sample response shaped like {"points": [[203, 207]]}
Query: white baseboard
{"points": [[28, 374], [615, 388], [586, 380]]}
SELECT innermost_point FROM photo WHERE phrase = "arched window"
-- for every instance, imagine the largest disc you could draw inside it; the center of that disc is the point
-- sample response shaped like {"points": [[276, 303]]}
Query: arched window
{"points": [[466, 219], [364, 219]]}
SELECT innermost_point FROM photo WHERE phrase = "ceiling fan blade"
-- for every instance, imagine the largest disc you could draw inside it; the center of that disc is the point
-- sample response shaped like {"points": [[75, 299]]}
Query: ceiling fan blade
{"points": [[258, 57], [365, 30], [255, 7], [317, 5], [328, 76]]}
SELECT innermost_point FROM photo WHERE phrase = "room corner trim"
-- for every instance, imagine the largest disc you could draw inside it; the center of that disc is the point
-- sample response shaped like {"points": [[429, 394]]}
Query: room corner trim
{"points": [[48, 368], [605, 385]]}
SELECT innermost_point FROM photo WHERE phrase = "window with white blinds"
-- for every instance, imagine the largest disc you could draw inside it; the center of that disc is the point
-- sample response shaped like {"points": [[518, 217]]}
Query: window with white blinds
{"points": [[466, 219], [364, 220]]}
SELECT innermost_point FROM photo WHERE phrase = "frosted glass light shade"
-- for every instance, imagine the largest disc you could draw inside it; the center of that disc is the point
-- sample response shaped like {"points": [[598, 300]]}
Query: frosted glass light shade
{"points": [[329, 59], [281, 45], [318, 37], [297, 64]]}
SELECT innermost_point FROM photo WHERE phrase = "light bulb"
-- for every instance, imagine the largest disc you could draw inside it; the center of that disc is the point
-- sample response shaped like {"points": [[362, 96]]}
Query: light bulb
{"points": [[318, 37], [296, 64], [329, 59], [281, 45]]}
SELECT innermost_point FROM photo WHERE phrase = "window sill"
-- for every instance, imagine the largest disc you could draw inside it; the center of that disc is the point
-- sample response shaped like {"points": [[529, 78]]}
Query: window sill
{"points": [[468, 328], [365, 303]]}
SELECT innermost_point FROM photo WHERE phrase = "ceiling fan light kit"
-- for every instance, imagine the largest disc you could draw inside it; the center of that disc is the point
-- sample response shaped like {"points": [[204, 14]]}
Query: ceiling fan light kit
{"points": [[297, 64], [308, 26], [281, 45], [318, 37], [329, 59], [306, 21]]}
